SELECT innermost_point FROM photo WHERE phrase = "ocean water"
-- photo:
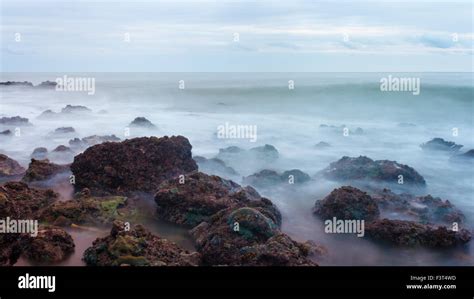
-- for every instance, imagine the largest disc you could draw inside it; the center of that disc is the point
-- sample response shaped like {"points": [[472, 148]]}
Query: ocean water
{"points": [[288, 119]]}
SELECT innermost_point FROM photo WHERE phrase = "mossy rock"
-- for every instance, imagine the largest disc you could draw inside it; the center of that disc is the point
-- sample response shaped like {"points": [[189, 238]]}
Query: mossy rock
{"points": [[132, 261]]}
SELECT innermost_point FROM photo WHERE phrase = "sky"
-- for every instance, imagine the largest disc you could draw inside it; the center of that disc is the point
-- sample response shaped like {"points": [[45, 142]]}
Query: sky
{"points": [[236, 36]]}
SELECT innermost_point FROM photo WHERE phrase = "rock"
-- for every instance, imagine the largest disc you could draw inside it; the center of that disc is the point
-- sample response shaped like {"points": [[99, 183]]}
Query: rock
{"points": [[10, 249], [203, 195], [143, 123], [322, 145], [463, 158], [47, 85], [64, 130], [269, 178], [347, 203], [18, 201], [16, 84], [247, 237], [6, 133], [137, 247], [267, 152], [40, 170], [75, 109], [411, 234], [88, 210], [39, 153], [92, 140], [138, 164], [359, 131], [214, 166], [9, 168], [439, 144], [424, 209], [363, 168], [51, 245], [62, 149], [47, 114], [14, 121]]}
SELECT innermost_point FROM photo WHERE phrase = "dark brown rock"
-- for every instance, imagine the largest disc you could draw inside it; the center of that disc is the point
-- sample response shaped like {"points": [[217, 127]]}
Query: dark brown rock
{"points": [[138, 164]]}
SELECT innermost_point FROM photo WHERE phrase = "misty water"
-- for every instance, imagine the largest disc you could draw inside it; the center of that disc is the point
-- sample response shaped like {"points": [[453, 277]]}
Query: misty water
{"points": [[394, 125]]}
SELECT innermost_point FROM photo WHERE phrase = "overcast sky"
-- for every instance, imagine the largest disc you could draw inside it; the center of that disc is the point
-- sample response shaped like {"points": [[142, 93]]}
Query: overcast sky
{"points": [[259, 36]]}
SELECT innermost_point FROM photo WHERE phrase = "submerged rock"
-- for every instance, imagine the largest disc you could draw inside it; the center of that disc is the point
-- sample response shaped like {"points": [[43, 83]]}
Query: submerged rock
{"points": [[214, 166], [51, 245], [411, 234], [247, 237], [322, 145], [88, 210], [137, 247], [439, 144], [18, 201], [347, 203], [138, 164], [143, 123], [14, 121], [6, 133], [10, 168], [75, 109], [47, 84], [463, 158], [202, 195], [269, 178], [62, 149], [364, 168], [64, 130], [267, 153], [16, 84], [39, 153], [40, 170], [92, 140]]}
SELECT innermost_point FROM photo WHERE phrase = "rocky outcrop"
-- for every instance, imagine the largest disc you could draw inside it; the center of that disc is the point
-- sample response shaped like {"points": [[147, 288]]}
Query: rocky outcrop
{"points": [[6, 133], [201, 195], [64, 130], [267, 153], [214, 166], [366, 169], [40, 170], [92, 140], [142, 122], [322, 145], [411, 234], [16, 84], [137, 247], [347, 203], [270, 178], [16, 121], [138, 164], [467, 157], [68, 111], [75, 109], [18, 201], [424, 209], [10, 168], [439, 144], [51, 245], [39, 153], [247, 237], [10, 249]]}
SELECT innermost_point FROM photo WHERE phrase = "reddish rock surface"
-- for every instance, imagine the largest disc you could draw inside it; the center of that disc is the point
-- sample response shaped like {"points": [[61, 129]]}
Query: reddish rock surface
{"points": [[138, 164], [247, 237], [18, 201], [40, 170], [51, 245], [137, 247], [347, 203], [410, 234], [202, 195], [9, 167]]}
